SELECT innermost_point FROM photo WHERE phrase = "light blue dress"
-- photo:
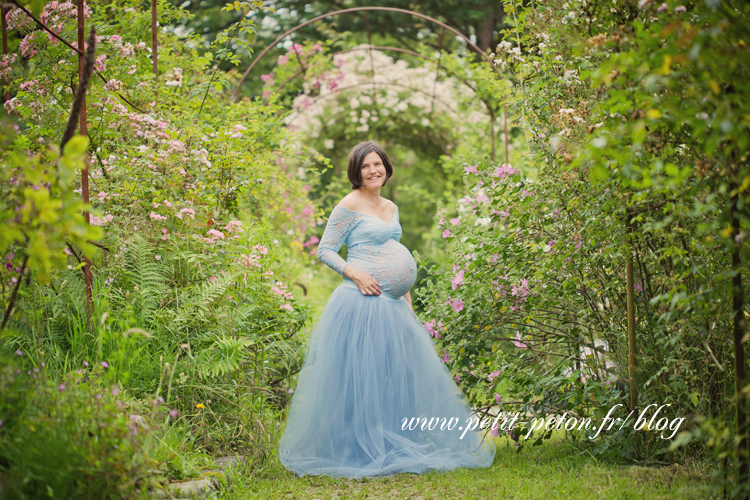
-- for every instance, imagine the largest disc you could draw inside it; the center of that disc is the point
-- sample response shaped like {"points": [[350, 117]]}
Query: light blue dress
{"points": [[371, 370]]}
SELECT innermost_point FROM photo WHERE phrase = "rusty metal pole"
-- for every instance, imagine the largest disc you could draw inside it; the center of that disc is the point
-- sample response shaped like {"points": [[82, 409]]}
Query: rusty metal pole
{"points": [[739, 326], [632, 347], [5, 50], [88, 277]]}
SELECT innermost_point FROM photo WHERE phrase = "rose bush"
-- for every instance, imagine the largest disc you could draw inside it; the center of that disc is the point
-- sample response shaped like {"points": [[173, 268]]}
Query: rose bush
{"points": [[194, 214], [629, 151]]}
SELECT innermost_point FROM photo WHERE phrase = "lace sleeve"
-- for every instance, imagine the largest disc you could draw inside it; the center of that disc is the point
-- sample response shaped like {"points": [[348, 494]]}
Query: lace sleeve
{"points": [[340, 224], [398, 231]]}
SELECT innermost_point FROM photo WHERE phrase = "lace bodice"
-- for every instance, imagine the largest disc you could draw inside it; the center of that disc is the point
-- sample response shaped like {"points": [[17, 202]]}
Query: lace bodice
{"points": [[373, 247]]}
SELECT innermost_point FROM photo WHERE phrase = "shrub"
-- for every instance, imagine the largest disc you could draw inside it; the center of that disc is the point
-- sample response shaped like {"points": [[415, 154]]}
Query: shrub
{"points": [[69, 439], [197, 218]]}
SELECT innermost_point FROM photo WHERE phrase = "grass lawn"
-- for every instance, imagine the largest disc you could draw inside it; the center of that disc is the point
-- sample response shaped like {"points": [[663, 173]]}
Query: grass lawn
{"points": [[552, 470]]}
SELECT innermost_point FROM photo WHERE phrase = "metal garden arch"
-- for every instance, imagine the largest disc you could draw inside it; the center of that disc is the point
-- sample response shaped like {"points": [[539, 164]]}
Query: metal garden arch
{"points": [[476, 49]]}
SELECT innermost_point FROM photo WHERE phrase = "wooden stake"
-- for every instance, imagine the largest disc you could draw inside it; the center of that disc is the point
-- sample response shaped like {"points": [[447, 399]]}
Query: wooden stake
{"points": [[88, 277]]}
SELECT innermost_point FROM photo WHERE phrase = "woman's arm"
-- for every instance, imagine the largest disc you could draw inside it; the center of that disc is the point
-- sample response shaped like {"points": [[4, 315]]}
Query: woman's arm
{"points": [[340, 224]]}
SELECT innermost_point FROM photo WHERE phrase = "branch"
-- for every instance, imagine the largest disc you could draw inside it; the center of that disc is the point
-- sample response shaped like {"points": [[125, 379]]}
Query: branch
{"points": [[73, 251], [83, 84], [45, 28], [303, 287], [100, 246], [15, 293]]}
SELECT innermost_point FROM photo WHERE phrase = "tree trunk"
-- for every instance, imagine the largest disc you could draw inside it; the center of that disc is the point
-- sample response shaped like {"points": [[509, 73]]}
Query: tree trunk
{"points": [[486, 34]]}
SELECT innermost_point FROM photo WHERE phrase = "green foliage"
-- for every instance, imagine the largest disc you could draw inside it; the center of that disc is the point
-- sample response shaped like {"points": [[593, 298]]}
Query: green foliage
{"points": [[190, 326], [224, 356], [426, 114], [198, 221], [568, 474], [70, 438], [628, 137], [481, 20], [42, 213], [630, 151]]}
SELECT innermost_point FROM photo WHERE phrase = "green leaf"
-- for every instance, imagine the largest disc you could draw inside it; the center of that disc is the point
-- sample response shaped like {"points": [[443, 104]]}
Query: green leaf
{"points": [[598, 173]]}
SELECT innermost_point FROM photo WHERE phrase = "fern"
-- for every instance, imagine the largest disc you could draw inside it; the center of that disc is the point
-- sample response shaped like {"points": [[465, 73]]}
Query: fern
{"points": [[196, 304], [146, 280], [224, 356], [64, 309]]}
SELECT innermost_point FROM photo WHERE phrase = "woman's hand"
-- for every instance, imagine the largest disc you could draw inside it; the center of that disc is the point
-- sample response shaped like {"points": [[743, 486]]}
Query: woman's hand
{"points": [[366, 284]]}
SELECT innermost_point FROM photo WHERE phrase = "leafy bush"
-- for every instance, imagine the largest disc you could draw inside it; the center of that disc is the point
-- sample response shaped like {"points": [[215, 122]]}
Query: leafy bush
{"points": [[69, 439], [196, 213], [627, 143]]}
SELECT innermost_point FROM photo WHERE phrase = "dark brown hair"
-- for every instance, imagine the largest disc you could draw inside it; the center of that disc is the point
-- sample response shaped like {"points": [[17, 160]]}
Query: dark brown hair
{"points": [[357, 157]]}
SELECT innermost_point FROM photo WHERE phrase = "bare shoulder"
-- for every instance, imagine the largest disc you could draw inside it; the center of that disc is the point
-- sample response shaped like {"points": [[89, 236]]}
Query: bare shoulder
{"points": [[354, 202], [350, 201]]}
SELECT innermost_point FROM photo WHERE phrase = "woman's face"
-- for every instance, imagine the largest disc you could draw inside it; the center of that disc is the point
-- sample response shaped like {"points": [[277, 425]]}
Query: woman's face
{"points": [[373, 171]]}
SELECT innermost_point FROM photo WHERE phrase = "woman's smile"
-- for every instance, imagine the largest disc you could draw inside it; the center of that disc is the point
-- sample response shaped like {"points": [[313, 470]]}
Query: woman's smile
{"points": [[373, 170]]}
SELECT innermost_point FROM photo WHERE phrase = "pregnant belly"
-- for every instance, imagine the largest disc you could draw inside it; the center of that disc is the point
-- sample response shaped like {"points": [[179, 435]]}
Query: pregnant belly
{"points": [[390, 264]]}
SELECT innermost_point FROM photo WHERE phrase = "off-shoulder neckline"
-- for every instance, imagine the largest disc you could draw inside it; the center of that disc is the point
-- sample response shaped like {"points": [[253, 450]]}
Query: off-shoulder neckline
{"points": [[374, 216]]}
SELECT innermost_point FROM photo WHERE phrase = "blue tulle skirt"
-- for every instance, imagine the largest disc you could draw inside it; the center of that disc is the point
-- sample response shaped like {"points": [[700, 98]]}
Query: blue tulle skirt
{"points": [[370, 371]]}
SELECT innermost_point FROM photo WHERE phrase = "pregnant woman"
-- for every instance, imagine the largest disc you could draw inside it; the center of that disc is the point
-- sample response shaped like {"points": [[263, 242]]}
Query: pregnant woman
{"points": [[371, 368]]}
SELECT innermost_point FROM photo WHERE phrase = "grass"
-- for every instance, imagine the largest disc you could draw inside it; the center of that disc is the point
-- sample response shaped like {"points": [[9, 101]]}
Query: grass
{"points": [[552, 470]]}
